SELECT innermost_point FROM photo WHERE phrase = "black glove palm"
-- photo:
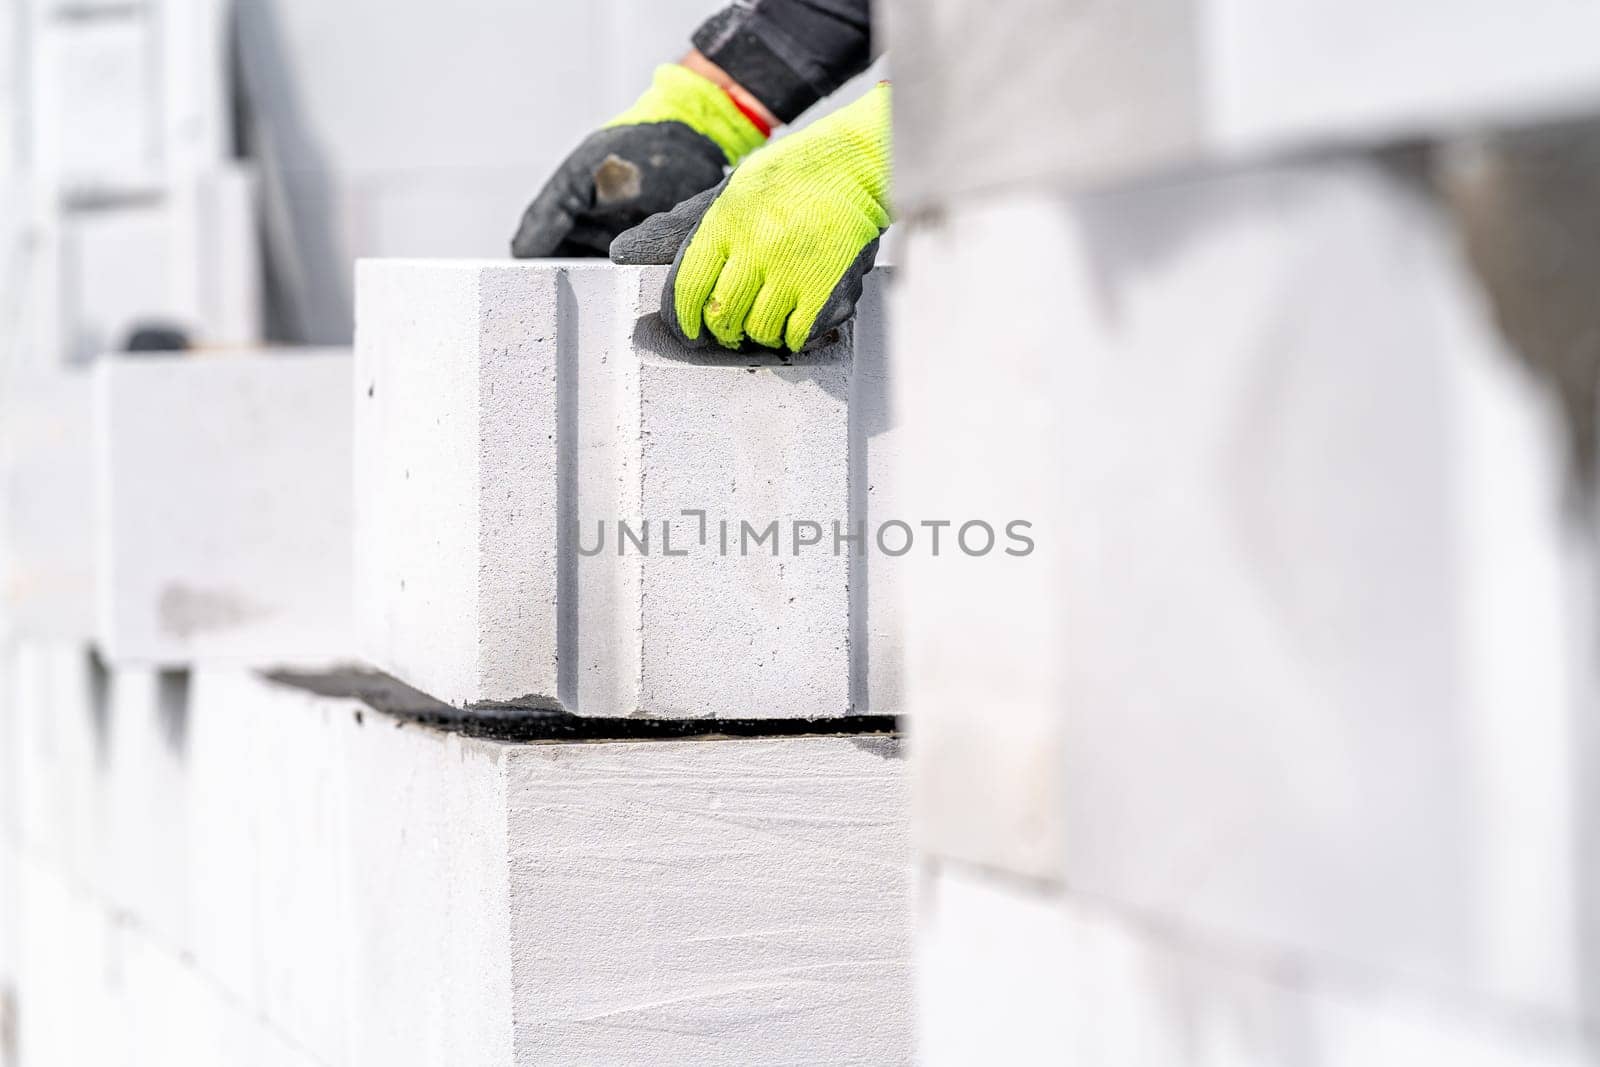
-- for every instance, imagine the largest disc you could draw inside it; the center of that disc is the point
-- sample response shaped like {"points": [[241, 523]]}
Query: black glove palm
{"points": [[673, 143]]}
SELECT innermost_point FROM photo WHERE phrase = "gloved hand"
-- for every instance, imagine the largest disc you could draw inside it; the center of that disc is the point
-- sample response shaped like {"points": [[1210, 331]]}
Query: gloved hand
{"points": [[675, 141], [776, 253]]}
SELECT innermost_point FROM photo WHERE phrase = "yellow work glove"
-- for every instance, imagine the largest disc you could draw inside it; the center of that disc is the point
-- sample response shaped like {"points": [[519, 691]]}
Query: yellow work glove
{"points": [[776, 253]]}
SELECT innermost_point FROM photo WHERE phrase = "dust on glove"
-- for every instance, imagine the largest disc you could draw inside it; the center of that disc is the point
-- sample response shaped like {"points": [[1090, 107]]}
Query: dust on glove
{"points": [[776, 253], [675, 141]]}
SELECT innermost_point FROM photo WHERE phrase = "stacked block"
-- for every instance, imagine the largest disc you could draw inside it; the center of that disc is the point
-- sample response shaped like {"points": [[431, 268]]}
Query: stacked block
{"points": [[96, 84], [286, 851], [1273, 750], [187, 260], [131, 211], [560, 506]]}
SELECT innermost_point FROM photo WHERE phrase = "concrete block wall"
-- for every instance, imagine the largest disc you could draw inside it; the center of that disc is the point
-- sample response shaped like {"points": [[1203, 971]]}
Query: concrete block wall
{"points": [[510, 416], [259, 871], [1279, 754], [284, 863], [202, 866]]}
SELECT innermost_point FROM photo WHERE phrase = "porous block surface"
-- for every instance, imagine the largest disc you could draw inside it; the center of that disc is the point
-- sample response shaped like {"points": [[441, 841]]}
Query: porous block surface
{"points": [[558, 505]]}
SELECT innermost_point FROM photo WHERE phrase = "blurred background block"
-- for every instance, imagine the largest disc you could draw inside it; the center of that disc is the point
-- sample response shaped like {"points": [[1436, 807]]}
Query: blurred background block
{"points": [[188, 260], [1009, 972], [1138, 89], [1318, 598], [224, 502], [96, 127]]}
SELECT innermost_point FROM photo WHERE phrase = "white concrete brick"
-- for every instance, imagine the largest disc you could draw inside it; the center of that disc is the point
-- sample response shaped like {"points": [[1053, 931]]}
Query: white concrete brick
{"points": [[298, 806], [187, 258], [308, 862], [140, 803], [215, 275], [493, 888], [47, 504], [505, 412], [197, 89], [768, 447], [68, 974], [105, 796], [10, 946], [115, 271], [721, 902], [225, 525], [60, 696], [97, 988], [172, 1015], [146, 794], [1301, 656], [427, 875], [96, 125], [10, 869], [1010, 973], [1139, 88], [456, 509]]}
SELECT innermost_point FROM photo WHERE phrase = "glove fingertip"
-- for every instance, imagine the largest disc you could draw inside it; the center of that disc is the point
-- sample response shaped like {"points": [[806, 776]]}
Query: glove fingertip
{"points": [[644, 245], [658, 239], [669, 311], [840, 306], [542, 229]]}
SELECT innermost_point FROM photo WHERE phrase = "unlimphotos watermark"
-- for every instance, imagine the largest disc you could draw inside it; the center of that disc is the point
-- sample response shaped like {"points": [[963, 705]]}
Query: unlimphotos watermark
{"points": [[794, 537]]}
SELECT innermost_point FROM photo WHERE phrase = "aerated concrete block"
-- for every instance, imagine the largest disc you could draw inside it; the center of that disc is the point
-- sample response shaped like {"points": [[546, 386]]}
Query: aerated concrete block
{"points": [[115, 273], [96, 124], [97, 988], [315, 861], [187, 259], [172, 1014], [1148, 87], [1011, 973], [494, 887], [1302, 656], [58, 694], [67, 973], [224, 507], [122, 793], [558, 505]]}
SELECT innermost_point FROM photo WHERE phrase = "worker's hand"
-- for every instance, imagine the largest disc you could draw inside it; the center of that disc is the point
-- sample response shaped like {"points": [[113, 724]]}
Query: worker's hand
{"points": [[776, 253], [675, 141]]}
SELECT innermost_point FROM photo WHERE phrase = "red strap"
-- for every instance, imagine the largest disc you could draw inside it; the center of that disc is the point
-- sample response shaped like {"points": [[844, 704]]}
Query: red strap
{"points": [[755, 120]]}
